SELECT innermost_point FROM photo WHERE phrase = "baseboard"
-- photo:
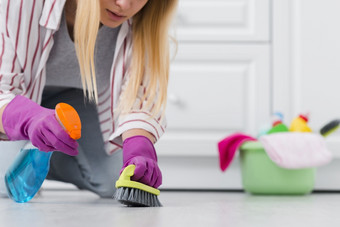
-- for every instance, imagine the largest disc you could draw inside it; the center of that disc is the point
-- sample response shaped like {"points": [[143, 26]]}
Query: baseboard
{"points": [[204, 173]]}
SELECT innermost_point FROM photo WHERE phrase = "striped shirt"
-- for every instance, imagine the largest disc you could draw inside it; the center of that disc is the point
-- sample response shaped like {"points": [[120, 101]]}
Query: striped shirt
{"points": [[26, 39]]}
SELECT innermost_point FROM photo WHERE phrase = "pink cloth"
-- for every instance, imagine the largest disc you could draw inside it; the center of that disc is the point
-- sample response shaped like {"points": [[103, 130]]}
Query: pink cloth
{"points": [[228, 147], [295, 150]]}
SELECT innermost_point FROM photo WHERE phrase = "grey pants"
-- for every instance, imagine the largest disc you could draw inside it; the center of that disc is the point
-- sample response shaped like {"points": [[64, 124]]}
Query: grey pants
{"points": [[92, 169]]}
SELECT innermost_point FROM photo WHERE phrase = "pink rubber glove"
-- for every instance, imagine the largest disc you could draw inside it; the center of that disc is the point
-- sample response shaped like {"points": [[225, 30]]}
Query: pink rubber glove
{"points": [[139, 151], [23, 119]]}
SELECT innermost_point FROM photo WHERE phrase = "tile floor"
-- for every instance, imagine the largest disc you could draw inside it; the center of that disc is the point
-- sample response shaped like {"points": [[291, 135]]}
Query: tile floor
{"points": [[81, 208]]}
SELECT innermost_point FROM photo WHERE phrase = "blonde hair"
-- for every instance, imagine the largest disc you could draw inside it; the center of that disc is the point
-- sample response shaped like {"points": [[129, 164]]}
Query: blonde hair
{"points": [[86, 28], [150, 55]]}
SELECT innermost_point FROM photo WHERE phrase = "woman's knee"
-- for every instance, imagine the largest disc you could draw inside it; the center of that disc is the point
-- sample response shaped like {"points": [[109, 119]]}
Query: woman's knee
{"points": [[105, 190]]}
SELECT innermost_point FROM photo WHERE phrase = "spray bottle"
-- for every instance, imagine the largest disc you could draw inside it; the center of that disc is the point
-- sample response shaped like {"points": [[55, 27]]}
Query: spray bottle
{"points": [[277, 125], [28, 171], [300, 124]]}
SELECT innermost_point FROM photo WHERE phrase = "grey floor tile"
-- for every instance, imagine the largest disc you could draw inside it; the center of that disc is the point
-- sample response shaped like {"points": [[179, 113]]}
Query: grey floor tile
{"points": [[81, 208]]}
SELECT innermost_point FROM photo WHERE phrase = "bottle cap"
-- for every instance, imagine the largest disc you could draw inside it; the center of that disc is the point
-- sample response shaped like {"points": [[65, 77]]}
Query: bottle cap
{"points": [[277, 118], [304, 117], [69, 119]]}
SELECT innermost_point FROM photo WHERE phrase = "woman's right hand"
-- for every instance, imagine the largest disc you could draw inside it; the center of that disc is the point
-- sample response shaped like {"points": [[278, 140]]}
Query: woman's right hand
{"points": [[23, 119], [139, 151]]}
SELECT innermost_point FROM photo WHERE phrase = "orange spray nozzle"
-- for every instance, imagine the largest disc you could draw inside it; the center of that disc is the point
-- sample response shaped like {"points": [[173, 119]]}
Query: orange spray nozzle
{"points": [[69, 119]]}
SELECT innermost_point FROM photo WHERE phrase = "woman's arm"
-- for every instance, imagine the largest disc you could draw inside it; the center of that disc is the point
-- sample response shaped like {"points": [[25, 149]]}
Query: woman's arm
{"points": [[11, 71], [127, 134], [138, 132]]}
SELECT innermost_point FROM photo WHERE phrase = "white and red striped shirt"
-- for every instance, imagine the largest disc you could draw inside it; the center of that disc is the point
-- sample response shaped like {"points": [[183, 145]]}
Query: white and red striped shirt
{"points": [[26, 39]]}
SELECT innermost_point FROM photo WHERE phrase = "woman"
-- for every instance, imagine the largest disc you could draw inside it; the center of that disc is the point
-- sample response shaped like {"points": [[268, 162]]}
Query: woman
{"points": [[113, 52]]}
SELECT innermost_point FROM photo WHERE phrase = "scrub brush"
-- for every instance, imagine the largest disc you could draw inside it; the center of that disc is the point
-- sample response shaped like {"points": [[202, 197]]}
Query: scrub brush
{"points": [[135, 194], [330, 127]]}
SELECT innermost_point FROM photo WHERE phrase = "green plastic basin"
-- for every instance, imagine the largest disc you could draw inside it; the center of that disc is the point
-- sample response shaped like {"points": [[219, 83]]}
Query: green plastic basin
{"points": [[260, 175]]}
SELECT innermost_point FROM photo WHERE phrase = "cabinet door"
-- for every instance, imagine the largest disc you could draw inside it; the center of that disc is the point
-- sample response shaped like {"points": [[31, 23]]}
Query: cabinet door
{"points": [[215, 89], [223, 20]]}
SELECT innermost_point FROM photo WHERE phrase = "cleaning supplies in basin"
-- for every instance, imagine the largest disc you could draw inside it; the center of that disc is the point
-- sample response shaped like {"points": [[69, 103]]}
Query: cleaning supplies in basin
{"points": [[280, 162], [27, 173]]}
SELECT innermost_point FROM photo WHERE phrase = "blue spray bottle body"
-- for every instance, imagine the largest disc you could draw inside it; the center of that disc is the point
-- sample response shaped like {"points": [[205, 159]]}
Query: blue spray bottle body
{"points": [[27, 173], [25, 176]]}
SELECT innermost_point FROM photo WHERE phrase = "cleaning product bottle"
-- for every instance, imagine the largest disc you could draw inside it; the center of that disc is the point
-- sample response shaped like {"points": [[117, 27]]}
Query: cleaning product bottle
{"points": [[28, 171], [278, 125], [299, 124]]}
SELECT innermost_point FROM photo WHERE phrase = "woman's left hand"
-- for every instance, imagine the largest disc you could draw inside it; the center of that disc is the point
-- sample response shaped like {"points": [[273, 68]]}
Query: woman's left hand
{"points": [[139, 151]]}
